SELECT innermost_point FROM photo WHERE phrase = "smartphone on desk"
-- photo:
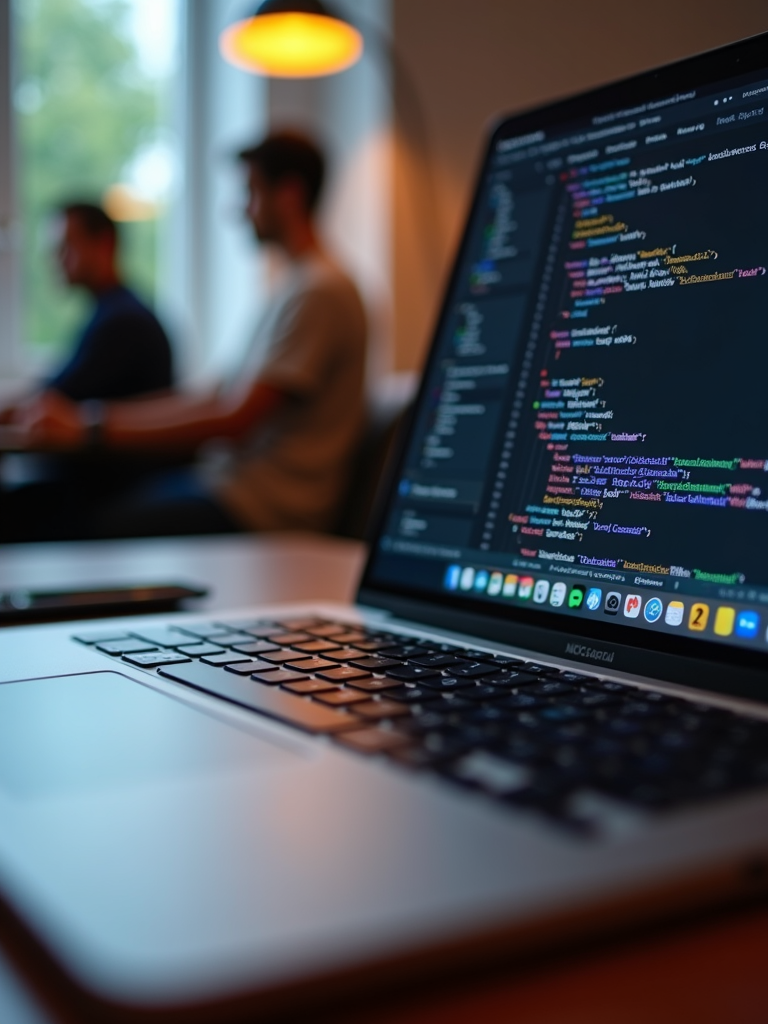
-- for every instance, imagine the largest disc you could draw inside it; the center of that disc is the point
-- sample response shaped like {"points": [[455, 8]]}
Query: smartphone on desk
{"points": [[21, 605]]}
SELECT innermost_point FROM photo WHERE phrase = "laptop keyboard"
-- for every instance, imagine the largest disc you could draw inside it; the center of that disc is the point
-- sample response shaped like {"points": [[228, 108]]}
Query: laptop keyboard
{"points": [[574, 747]]}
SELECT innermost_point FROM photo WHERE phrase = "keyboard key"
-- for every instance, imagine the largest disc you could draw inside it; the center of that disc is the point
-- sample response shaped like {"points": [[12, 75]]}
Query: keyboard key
{"points": [[446, 744], [227, 658], [487, 714], [518, 701], [343, 654], [401, 652], [483, 693], [248, 626], [551, 688], [372, 645], [490, 772], [247, 668], [434, 661], [306, 664], [535, 666], [261, 631], [476, 655], [303, 624], [162, 637], [410, 673], [374, 663], [151, 659], [129, 646], [327, 629], [639, 709], [372, 741], [230, 639], [280, 657], [274, 703], [562, 713], [198, 650], [373, 685], [344, 674], [473, 670], [338, 697], [289, 639], [511, 678], [104, 636], [309, 686], [379, 709], [654, 697], [423, 720], [411, 694], [204, 629], [278, 677], [316, 646], [255, 647], [503, 660], [608, 687], [351, 637], [446, 684], [577, 678], [590, 699]]}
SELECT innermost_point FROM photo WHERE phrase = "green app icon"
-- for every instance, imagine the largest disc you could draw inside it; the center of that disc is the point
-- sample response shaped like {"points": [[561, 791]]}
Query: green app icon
{"points": [[576, 597]]}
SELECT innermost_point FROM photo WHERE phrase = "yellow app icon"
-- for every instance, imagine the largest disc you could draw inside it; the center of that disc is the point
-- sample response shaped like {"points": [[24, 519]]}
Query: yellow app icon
{"points": [[724, 619], [699, 617], [675, 612]]}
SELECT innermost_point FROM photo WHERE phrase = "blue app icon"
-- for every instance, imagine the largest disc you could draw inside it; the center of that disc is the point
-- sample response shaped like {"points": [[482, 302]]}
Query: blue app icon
{"points": [[481, 580], [594, 597], [452, 574], [653, 609], [747, 625]]}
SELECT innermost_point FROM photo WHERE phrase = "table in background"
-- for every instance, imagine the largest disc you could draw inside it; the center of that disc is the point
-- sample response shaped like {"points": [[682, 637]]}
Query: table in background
{"points": [[238, 570], [710, 971]]}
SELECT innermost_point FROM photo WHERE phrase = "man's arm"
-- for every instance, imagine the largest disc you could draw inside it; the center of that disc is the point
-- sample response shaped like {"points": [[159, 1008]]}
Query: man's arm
{"points": [[172, 422]]}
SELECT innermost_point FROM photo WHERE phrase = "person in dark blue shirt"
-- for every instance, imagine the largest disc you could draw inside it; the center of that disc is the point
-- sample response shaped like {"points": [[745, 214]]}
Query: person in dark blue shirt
{"points": [[123, 350]]}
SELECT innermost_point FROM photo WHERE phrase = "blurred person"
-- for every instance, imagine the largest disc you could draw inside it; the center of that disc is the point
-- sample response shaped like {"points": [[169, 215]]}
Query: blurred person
{"points": [[292, 412], [122, 350]]}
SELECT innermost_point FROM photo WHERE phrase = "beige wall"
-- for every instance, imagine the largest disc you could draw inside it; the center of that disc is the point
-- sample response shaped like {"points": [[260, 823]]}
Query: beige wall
{"points": [[469, 60]]}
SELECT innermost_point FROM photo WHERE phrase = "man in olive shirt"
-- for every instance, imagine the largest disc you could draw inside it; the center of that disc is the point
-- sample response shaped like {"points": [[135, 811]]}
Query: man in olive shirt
{"points": [[291, 415]]}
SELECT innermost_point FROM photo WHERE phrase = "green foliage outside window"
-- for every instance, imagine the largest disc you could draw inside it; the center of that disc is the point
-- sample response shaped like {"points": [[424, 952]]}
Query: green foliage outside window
{"points": [[84, 108]]}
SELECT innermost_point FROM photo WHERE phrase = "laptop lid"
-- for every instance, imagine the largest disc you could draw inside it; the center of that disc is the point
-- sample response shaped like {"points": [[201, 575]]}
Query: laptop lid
{"points": [[586, 468]]}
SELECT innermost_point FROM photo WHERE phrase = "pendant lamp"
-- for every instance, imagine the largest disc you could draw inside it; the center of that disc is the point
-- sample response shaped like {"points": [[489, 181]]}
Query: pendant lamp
{"points": [[292, 39]]}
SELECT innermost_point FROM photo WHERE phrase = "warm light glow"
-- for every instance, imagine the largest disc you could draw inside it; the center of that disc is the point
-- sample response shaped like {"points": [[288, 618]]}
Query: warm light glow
{"points": [[123, 204], [291, 45]]}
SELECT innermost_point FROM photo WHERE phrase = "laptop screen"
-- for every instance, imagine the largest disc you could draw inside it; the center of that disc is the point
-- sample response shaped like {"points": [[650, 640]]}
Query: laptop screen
{"points": [[591, 437]]}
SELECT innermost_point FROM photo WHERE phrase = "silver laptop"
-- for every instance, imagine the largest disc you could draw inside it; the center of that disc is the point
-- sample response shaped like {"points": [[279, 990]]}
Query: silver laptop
{"points": [[548, 712]]}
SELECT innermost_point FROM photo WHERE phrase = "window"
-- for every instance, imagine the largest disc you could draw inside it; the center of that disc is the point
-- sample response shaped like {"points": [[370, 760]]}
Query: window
{"points": [[92, 109]]}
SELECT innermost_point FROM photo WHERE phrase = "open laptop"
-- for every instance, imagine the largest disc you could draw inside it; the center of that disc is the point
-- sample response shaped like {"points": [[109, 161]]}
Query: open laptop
{"points": [[548, 712]]}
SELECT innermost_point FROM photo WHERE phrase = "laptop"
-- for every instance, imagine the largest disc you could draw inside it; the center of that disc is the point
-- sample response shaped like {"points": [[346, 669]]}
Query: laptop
{"points": [[547, 713]]}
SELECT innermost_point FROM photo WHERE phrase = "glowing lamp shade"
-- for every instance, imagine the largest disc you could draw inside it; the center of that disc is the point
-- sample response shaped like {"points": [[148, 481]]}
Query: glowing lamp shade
{"points": [[291, 40]]}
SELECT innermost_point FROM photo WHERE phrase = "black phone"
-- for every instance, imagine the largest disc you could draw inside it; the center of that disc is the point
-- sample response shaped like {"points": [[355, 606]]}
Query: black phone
{"points": [[22, 605]]}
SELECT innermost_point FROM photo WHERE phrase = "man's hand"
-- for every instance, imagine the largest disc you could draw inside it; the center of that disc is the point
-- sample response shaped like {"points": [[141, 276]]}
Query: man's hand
{"points": [[52, 421]]}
